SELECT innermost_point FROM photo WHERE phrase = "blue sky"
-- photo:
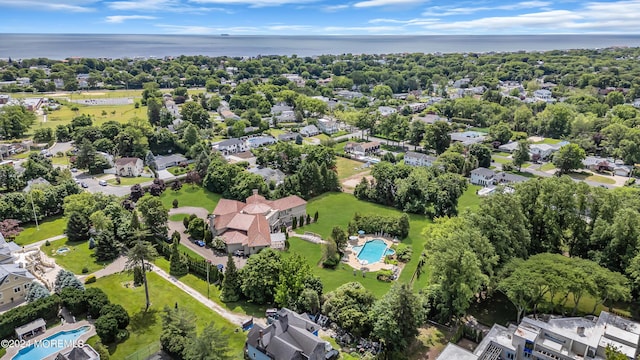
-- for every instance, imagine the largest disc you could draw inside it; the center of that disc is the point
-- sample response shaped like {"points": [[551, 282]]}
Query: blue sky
{"points": [[321, 17]]}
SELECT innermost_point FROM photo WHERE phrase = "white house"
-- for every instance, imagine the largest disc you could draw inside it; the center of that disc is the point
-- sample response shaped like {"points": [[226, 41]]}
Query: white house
{"points": [[328, 126], [483, 176], [545, 150], [231, 146], [130, 167], [418, 159], [509, 147], [556, 338], [386, 110], [543, 95]]}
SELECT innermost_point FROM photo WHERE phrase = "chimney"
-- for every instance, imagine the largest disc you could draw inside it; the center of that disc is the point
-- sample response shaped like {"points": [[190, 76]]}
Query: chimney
{"points": [[255, 191], [580, 330]]}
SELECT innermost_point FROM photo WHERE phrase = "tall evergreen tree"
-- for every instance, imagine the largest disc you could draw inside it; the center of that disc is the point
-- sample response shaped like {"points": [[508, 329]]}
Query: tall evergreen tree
{"points": [[77, 227], [106, 248], [177, 267], [231, 284]]}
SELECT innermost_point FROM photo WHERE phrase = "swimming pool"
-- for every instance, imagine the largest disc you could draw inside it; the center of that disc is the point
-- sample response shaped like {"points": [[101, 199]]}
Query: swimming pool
{"points": [[51, 345], [372, 251]]}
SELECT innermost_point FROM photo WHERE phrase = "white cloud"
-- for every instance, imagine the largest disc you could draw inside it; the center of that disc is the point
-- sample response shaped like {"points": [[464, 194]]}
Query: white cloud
{"points": [[282, 27], [332, 8], [253, 3], [117, 19], [158, 5], [51, 5], [205, 30], [466, 10], [374, 3]]}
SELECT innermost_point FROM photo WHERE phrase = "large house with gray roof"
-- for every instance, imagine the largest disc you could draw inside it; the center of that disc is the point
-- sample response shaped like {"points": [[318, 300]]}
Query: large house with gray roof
{"points": [[290, 337], [556, 338], [14, 278], [418, 159]]}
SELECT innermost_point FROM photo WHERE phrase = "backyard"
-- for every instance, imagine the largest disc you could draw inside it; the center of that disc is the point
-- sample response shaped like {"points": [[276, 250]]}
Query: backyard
{"points": [[51, 227], [78, 257], [190, 195], [145, 327], [347, 168]]}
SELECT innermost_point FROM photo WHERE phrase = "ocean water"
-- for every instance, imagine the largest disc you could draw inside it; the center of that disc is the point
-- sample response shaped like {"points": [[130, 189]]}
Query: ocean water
{"points": [[60, 46]]}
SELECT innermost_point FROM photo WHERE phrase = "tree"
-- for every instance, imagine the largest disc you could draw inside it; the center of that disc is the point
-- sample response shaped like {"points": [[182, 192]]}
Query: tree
{"points": [[349, 307], [194, 113], [612, 353], [154, 215], [177, 266], [106, 248], [460, 260], [66, 279], [190, 136], [107, 329], [10, 228], [138, 255], [382, 92], [482, 154], [118, 313], [153, 111], [178, 330], [437, 137], [15, 120], [521, 154], [77, 227], [211, 344], [36, 291], [500, 132], [86, 154], [137, 192], [196, 228], [157, 187], [339, 236], [568, 158], [396, 318], [260, 276], [231, 291]]}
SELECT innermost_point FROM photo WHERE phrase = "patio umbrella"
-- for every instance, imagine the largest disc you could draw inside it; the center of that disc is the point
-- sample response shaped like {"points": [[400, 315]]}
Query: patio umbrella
{"points": [[360, 232]]}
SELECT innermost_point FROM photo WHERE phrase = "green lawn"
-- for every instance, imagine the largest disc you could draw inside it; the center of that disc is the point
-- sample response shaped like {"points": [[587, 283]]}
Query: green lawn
{"points": [[526, 165], [500, 159], [546, 167], [347, 167], [190, 195], [177, 217], [129, 181], [595, 178], [469, 200], [549, 141], [145, 327], [51, 227], [60, 160], [119, 113], [78, 257]]}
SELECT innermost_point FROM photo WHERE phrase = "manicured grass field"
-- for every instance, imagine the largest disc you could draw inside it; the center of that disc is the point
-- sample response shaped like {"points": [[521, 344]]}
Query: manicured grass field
{"points": [[347, 167], [51, 227], [78, 257], [549, 141], [469, 200], [526, 165], [548, 166], [145, 327], [123, 113], [190, 195], [500, 160], [595, 178], [61, 160], [129, 181], [177, 217]]}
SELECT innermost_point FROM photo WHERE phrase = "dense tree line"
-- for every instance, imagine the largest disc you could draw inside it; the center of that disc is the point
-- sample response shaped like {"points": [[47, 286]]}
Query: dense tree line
{"points": [[419, 190]]}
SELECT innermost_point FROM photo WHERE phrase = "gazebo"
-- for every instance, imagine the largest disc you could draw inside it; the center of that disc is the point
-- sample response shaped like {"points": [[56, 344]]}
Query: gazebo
{"points": [[33, 328]]}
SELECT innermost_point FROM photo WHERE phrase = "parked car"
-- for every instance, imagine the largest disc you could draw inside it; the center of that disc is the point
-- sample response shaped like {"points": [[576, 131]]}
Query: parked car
{"points": [[74, 170], [200, 243], [84, 185], [102, 182], [238, 252]]}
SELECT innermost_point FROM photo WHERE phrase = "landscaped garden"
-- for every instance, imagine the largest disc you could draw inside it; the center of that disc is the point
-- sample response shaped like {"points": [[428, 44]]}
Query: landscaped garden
{"points": [[51, 227], [73, 256], [145, 327]]}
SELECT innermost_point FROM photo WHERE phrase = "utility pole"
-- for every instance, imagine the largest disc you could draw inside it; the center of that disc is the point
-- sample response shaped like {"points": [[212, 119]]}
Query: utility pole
{"points": [[35, 217], [208, 264]]}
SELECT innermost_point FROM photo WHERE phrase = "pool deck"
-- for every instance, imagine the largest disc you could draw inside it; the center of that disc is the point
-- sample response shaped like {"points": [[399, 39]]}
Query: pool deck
{"points": [[12, 351], [353, 256]]}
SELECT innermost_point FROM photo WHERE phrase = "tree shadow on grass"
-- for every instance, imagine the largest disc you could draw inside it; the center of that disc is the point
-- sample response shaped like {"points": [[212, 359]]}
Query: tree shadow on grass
{"points": [[142, 320]]}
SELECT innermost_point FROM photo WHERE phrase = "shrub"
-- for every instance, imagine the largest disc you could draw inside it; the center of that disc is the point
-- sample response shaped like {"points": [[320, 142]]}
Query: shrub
{"points": [[90, 279], [185, 222], [85, 270], [47, 243], [175, 203], [385, 275], [118, 313], [404, 252], [331, 262], [107, 328], [46, 308]]}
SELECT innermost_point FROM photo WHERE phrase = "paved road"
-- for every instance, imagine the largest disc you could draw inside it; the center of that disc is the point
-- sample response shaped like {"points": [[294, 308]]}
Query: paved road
{"points": [[62, 147]]}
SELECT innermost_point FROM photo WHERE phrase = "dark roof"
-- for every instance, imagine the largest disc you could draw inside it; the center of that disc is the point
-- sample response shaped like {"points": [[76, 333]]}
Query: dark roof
{"points": [[230, 142], [288, 136]]}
